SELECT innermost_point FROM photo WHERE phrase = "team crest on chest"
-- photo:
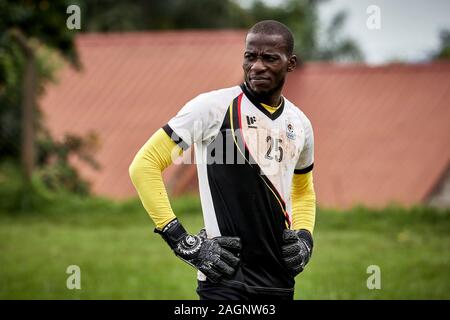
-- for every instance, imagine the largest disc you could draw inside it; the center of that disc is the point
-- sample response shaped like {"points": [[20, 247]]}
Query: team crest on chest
{"points": [[290, 131]]}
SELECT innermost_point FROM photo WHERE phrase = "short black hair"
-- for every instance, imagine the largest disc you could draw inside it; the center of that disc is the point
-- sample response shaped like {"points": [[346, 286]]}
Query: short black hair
{"points": [[271, 27]]}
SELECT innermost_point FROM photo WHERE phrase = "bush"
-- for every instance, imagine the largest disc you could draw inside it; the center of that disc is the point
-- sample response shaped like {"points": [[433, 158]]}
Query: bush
{"points": [[16, 195]]}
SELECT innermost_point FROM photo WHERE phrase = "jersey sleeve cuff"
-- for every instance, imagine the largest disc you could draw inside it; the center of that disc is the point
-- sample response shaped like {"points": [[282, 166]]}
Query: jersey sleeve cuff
{"points": [[304, 170], [176, 138]]}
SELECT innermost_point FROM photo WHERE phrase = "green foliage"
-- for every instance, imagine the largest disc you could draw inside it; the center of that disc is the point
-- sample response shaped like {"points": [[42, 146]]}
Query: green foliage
{"points": [[55, 169], [52, 158], [123, 15], [336, 47], [11, 75], [18, 196], [11, 64], [443, 52], [42, 20], [52, 189], [299, 15], [42, 25], [302, 18]]}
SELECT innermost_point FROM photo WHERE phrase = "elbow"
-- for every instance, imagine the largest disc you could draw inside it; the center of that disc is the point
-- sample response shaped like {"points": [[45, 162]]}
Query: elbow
{"points": [[133, 171], [142, 167]]}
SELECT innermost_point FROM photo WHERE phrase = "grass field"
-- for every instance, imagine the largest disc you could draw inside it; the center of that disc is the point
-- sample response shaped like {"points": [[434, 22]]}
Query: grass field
{"points": [[121, 258]]}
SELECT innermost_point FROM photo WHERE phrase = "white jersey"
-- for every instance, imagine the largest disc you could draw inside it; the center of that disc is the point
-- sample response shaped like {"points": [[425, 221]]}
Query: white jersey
{"points": [[246, 158]]}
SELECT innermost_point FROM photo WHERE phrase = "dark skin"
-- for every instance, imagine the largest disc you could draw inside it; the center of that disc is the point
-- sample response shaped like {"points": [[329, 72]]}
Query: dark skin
{"points": [[266, 64]]}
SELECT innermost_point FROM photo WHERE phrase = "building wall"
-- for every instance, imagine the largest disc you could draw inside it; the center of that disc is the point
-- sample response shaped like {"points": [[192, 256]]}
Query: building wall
{"points": [[440, 197]]}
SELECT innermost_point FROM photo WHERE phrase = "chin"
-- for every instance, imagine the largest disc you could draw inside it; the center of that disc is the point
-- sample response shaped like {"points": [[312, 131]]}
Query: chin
{"points": [[261, 89]]}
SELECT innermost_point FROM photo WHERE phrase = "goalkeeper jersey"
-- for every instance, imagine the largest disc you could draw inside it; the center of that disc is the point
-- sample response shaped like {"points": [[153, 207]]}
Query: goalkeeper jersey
{"points": [[246, 157]]}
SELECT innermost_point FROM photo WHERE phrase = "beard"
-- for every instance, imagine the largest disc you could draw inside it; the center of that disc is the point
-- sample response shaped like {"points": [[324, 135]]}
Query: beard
{"points": [[266, 94]]}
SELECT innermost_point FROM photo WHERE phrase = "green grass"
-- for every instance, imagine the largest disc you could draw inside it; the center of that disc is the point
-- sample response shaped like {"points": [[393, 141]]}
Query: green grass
{"points": [[121, 258]]}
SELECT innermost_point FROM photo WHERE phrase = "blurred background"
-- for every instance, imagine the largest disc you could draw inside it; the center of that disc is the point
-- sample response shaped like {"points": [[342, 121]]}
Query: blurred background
{"points": [[83, 85]]}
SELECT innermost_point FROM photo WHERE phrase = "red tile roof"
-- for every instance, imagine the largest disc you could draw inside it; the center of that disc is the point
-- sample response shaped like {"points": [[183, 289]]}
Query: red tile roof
{"points": [[382, 133], [131, 85]]}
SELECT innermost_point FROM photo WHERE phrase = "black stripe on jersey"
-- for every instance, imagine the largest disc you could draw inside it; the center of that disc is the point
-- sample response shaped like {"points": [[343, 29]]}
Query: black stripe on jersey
{"points": [[242, 147], [236, 128], [244, 206], [176, 138], [257, 103], [304, 170]]}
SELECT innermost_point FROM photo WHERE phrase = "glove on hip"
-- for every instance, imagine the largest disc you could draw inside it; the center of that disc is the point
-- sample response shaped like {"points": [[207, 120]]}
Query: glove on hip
{"points": [[297, 249], [216, 258]]}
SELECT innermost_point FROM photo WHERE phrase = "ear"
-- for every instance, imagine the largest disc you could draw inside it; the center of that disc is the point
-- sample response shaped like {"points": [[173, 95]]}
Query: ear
{"points": [[292, 63]]}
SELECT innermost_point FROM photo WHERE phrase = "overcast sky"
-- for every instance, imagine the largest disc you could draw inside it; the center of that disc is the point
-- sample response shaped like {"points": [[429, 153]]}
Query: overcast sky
{"points": [[409, 28]]}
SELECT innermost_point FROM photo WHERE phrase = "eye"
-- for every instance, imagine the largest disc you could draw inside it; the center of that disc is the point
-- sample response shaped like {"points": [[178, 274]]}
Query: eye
{"points": [[249, 56], [271, 58]]}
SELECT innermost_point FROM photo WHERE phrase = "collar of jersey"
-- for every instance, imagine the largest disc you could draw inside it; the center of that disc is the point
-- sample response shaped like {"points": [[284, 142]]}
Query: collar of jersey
{"points": [[258, 103]]}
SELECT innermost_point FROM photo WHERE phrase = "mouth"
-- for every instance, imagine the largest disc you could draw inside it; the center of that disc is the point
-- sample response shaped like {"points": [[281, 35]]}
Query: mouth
{"points": [[259, 80]]}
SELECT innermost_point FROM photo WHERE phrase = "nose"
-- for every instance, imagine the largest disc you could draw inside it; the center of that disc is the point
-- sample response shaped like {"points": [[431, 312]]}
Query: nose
{"points": [[258, 66]]}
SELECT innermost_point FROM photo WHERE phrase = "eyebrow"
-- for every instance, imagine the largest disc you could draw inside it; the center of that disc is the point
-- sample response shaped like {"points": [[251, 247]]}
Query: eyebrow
{"points": [[273, 54]]}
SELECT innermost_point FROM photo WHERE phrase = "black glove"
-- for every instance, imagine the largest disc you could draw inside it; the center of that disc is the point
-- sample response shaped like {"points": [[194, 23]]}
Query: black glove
{"points": [[297, 249], [210, 256]]}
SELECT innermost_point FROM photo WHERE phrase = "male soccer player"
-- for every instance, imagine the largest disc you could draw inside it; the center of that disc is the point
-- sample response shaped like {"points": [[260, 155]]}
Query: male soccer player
{"points": [[254, 154]]}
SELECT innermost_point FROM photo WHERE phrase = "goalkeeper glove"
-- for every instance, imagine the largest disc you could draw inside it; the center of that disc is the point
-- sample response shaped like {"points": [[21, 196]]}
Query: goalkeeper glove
{"points": [[297, 249], [210, 256]]}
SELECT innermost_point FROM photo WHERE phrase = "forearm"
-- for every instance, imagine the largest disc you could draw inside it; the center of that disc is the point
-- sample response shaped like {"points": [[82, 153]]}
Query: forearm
{"points": [[303, 202], [146, 175]]}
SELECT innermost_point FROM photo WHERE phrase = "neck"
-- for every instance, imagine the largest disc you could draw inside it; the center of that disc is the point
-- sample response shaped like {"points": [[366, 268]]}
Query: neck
{"points": [[272, 98]]}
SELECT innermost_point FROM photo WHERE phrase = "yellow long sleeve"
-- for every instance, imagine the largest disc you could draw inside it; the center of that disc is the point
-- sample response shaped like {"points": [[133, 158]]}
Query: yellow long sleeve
{"points": [[145, 172], [303, 202]]}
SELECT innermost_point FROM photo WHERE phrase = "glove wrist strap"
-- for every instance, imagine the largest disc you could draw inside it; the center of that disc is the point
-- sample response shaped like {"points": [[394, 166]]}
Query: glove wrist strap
{"points": [[172, 233]]}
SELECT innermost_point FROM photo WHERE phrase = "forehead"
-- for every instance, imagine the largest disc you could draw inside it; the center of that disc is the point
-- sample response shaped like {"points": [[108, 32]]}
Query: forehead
{"points": [[265, 42]]}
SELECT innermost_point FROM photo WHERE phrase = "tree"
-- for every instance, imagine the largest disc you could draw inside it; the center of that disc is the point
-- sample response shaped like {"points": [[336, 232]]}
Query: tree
{"points": [[31, 33], [25, 22], [443, 53], [299, 15], [334, 46]]}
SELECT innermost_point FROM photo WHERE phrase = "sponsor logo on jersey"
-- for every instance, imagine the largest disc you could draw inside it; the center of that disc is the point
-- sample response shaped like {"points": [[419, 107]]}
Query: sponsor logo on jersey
{"points": [[290, 133], [251, 122]]}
